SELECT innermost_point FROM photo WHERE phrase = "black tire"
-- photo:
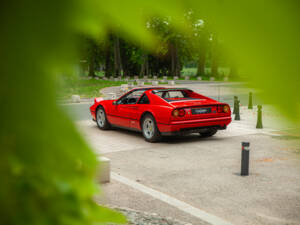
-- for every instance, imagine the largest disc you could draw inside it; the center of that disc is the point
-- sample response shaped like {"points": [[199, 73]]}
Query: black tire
{"points": [[102, 123], [210, 132], [150, 136]]}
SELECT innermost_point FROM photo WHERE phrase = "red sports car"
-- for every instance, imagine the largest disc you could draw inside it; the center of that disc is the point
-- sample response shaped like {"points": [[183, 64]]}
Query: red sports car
{"points": [[158, 111]]}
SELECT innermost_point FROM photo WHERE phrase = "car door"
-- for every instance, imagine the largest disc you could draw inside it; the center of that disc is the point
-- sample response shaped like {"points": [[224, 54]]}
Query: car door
{"points": [[136, 110], [119, 116], [125, 107]]}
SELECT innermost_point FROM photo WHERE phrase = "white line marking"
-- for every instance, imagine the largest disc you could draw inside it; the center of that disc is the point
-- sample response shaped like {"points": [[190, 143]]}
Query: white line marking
{"points": [[209, 218]]}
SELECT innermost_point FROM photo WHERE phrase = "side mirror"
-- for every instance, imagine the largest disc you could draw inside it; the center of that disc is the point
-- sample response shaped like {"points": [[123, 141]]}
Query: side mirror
{"points": [[115, 103]]}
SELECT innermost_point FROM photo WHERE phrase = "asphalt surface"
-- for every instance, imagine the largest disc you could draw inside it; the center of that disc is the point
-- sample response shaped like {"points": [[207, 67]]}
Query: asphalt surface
{"points": [[204, 173]]}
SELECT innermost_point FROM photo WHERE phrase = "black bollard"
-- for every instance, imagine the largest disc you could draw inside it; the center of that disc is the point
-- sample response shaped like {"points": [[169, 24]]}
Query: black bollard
{"points": [[237, 113], [235, 98], [245, 159], [259, 124], [250, 104]]}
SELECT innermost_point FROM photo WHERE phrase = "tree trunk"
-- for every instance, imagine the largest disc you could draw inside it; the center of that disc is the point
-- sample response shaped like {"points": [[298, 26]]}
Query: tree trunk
{"points": [[175, 64], [145, 66], [214, 57], [108, 59], [172, 53], [117, 57], [92, 64], [201, 62]]}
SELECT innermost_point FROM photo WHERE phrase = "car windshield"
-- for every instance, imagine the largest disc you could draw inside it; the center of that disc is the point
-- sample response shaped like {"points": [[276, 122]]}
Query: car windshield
{"points": [[174, 95]]}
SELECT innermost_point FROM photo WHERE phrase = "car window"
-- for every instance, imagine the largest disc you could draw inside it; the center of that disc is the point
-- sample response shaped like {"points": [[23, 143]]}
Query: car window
{"points": [[144, 100], [175, 94], [131, 98], [159, 94], [172, 94]]}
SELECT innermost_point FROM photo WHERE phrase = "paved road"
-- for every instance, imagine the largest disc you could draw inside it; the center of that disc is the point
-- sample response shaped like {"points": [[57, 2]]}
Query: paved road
{"points": [[204, 173], [190, 176]]}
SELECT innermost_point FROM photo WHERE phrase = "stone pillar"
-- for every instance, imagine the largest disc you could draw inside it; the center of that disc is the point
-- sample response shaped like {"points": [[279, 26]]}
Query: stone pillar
{"points": [[171, 82], [75, 98], [103, 174], [154, 83]]}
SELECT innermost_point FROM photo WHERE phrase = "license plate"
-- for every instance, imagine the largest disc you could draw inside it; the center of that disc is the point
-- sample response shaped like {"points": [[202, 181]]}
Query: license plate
{"points": [[201, 111]]}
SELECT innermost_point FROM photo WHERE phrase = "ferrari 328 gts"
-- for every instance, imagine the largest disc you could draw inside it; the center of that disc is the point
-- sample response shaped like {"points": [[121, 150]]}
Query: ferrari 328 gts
{"points": [[158, 111]]}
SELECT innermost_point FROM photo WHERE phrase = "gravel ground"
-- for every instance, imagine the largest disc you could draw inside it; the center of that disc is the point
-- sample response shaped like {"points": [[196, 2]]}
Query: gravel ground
{"points": [[143, 218]]}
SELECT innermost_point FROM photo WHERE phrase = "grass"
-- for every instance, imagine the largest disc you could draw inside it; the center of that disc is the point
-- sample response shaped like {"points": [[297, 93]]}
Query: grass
{"points": [[85, 88], [97, 73]]}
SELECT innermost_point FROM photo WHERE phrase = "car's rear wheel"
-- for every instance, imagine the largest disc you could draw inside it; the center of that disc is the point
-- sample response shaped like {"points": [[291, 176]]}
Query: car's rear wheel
{"points": [[101, 119], [149, 129], [209, 132]]}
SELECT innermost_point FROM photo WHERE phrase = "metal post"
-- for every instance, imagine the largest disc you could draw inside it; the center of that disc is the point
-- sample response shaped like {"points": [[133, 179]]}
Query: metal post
{"points": [[235, 104], [250, 104], [259, 124], [245, 159], [237, 113]]}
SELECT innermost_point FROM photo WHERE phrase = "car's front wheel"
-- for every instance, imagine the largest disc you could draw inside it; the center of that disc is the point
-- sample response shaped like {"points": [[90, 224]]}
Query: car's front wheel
{"points": [[150, 130], [101, 119], [209, 132]]}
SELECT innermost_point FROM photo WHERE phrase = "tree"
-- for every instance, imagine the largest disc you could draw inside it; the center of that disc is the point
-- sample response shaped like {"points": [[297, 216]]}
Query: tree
{"points": [[202, 35], [117, 56], [91, 60], [108, 56], [93, 51], [214, 56], [145, 65]]}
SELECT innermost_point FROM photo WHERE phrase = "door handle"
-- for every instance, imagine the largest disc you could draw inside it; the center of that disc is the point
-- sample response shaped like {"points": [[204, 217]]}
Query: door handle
{"points": [[133, 107]]}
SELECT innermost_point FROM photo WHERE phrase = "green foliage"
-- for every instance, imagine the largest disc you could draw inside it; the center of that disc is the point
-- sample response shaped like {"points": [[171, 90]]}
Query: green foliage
{"points": [[46, 168]]}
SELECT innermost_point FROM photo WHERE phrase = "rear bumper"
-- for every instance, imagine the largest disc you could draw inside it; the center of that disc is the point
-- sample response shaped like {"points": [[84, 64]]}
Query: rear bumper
{"points": [[193, 126]]}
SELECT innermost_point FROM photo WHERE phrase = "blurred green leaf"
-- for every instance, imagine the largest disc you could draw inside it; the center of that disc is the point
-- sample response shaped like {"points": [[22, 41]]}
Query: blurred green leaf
{"points": [[46, 168]]}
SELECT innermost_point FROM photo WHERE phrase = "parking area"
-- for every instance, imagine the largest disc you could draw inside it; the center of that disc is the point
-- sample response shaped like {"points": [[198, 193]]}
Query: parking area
{"points": [[204, 173], [198, 180]]}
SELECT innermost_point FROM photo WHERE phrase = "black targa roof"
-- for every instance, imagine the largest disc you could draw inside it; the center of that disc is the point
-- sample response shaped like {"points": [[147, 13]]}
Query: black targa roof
{"points": [[171, 89]]}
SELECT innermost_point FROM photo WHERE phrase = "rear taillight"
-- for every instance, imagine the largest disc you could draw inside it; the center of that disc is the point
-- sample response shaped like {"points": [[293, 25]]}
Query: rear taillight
{"points": [[226, 109], [178, 112], [223, 109], [175, 113]]}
